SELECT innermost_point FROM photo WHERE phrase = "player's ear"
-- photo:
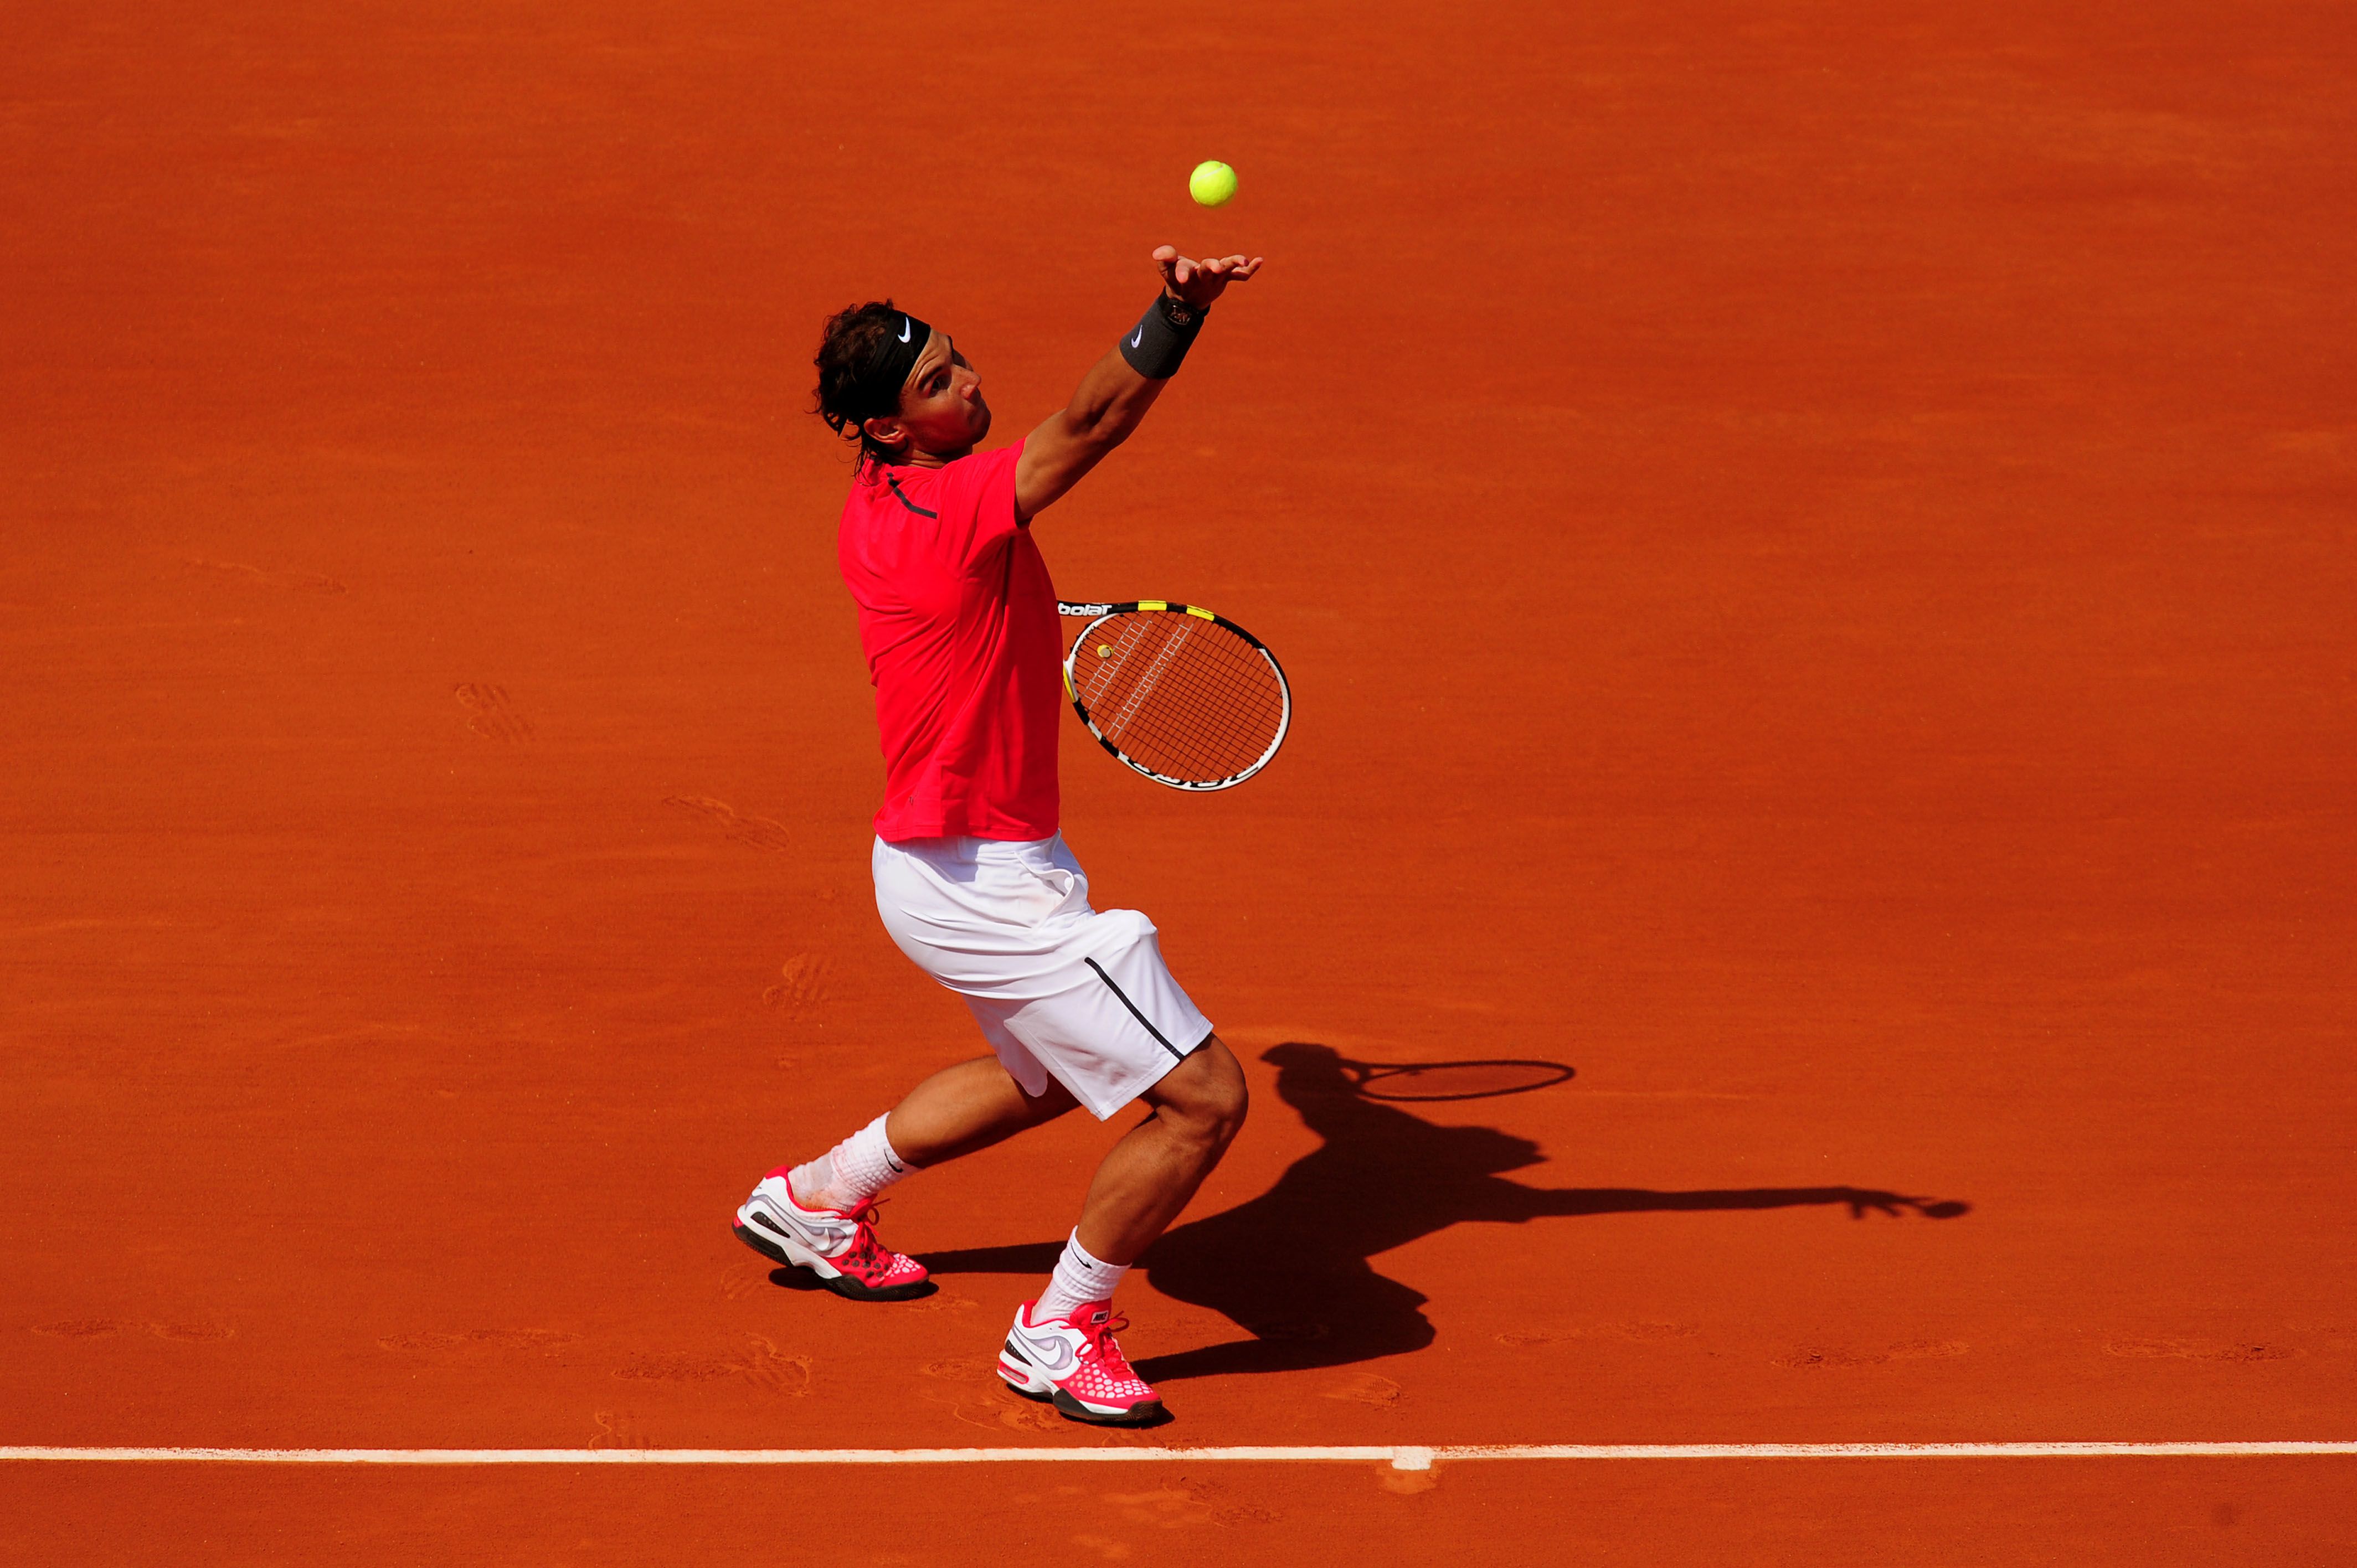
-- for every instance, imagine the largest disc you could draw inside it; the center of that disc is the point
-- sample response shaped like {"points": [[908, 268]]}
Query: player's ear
{"points": [[885, 431]]}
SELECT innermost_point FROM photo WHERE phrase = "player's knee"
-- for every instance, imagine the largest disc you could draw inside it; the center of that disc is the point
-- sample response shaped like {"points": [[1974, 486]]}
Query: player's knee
{"points": [[1205, 1097], [1220, 1112], [1232, 1099]]}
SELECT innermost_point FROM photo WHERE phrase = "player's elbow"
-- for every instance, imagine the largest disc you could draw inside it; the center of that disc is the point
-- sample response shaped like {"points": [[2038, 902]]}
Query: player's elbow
{"points": [[1100, 430]]}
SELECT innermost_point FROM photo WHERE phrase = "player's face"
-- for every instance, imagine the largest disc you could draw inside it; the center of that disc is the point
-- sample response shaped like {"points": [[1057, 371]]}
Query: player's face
{"points": [[941, 407]]}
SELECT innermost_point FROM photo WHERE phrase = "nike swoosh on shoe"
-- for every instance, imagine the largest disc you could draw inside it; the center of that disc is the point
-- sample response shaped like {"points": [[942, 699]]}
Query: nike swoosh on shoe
{"points": [[1052, 1356], [787, 1223]]}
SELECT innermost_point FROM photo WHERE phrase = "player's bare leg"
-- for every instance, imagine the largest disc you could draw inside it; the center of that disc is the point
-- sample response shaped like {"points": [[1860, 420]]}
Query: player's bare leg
{"points": [[968, 1107], [1145, 1179], [821, 1216], [1061, 1347], [1149, 1177]]}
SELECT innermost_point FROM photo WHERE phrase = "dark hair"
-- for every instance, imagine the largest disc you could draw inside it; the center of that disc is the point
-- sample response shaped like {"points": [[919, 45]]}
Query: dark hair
{"points": [[848, 393]]}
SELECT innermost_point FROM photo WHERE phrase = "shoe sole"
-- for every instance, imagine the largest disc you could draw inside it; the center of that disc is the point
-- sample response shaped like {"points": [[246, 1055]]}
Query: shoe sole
{"points": [[778, 1249]]}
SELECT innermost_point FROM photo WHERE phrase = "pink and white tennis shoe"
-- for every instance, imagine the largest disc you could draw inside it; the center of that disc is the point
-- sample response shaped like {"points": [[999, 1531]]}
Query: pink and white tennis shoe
{"points": [[838, 1245], [1075, 1365]]}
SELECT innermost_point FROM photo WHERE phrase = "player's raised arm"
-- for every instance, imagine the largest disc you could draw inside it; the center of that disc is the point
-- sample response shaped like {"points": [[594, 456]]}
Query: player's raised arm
{"points": [[1118, 389]]}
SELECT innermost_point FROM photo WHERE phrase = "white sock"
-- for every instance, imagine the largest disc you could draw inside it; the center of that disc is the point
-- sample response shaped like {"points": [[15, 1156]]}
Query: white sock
{"points": [[849, 1174], [1079, 1281]]}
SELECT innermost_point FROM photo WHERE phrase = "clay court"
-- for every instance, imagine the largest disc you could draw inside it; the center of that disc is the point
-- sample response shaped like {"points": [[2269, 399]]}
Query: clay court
{"points": [[1814, 552]]}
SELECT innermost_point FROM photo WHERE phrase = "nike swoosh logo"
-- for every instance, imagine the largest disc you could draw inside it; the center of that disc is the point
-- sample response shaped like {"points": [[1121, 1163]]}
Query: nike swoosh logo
{"points": [[907, 326], [1052, 1355], [789, 1224], [1137, 336]]}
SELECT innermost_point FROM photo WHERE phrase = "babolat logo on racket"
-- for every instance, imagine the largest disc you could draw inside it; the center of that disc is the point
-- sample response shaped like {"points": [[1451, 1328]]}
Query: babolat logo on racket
{"points": [[1183, 695]]}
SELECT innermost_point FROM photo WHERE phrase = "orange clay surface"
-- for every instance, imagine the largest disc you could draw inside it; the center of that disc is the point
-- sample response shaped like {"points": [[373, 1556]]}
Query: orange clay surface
{"points": [[1814, 547]]}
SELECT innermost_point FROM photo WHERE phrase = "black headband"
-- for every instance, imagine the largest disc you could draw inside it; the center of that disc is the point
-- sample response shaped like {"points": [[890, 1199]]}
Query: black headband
{"points": [[877, 392]]}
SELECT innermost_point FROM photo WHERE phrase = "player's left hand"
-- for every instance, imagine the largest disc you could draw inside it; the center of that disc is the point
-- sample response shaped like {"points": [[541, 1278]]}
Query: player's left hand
{"points": [[1197, 284]]}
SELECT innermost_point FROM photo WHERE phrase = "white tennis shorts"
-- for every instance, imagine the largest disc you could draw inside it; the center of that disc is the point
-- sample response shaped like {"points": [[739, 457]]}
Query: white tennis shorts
{"points": [[1059, 988]]}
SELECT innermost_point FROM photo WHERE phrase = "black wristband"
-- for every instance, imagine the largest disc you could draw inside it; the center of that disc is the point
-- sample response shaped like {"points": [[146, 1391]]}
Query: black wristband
{"points": [[1158, 345]]}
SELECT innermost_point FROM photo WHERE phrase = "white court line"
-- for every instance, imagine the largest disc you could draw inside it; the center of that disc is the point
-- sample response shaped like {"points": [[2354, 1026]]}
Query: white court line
{"points": [[1399, 1456]]}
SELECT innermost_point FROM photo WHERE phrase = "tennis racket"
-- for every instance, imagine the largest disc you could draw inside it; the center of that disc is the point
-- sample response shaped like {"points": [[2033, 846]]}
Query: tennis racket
{"points": [[1185, 697]]}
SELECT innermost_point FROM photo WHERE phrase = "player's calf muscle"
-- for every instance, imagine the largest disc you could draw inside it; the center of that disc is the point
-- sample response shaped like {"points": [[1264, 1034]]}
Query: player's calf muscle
{"points": [[966, 1108]]}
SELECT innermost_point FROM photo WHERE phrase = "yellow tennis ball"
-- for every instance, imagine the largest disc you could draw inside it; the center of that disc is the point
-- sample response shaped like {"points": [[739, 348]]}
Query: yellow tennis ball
{"points": [[1211, 184]]}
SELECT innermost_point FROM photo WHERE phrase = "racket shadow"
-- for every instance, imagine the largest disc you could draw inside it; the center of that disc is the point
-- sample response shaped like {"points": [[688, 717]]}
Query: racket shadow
{"points": [[1488, 1078], [1293, 1267]]}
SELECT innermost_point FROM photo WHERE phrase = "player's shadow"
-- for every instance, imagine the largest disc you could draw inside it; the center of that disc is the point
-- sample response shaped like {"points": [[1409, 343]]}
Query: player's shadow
{"points": [[1291, 1267]]}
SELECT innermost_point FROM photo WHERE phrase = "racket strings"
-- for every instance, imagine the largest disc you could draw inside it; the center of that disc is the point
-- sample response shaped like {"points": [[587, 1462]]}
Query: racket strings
{"points": [[1193, 700], [1179, 694]]}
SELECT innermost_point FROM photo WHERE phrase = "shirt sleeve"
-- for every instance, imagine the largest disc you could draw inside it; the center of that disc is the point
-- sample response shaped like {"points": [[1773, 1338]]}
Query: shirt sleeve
{"points": [[978, 505]]}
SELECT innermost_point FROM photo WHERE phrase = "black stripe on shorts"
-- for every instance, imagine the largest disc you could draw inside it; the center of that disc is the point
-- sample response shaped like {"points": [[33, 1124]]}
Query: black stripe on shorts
{"points": [[1142, 1018]]}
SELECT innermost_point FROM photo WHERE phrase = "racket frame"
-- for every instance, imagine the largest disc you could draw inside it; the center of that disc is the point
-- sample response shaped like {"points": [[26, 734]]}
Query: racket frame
{"points": [[1098, 614]]}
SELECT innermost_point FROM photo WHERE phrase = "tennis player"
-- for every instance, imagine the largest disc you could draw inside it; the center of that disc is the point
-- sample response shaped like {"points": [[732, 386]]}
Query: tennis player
{"points": [[974, 881]]}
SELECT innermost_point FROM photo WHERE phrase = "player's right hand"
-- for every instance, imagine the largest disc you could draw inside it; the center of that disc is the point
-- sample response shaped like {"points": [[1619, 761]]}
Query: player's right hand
{"points": [[1197, 284]]}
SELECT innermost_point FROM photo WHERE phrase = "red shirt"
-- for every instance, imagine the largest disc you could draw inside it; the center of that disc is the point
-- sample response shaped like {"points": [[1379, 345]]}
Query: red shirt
{"points": [[958, 620]]}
